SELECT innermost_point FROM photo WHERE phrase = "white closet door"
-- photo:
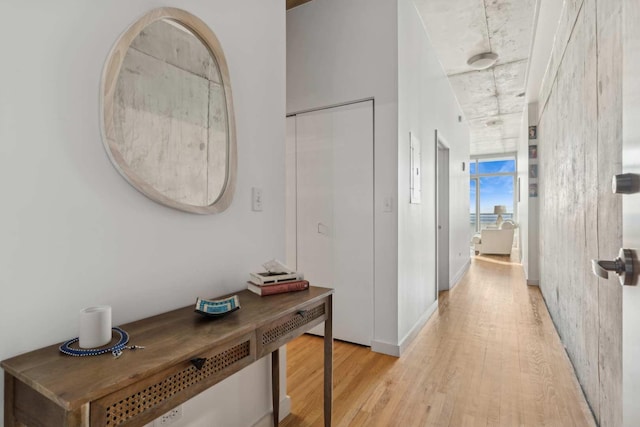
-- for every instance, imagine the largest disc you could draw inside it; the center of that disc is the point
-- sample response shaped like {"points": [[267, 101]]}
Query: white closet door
{"points": [[334, 164]]}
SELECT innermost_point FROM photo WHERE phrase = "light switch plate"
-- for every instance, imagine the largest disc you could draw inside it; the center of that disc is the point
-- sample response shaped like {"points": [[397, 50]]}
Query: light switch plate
{"points": [[256, 199], [415, 185]]}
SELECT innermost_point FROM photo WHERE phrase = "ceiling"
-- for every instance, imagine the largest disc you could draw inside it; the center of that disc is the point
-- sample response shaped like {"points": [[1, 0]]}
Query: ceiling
{"points": [[492, 100]]}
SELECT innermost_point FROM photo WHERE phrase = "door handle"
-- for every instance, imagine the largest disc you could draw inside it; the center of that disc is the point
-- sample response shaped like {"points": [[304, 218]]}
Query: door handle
{"points": [[626, 183], [602, 268], [624, 266], [323, 229]]}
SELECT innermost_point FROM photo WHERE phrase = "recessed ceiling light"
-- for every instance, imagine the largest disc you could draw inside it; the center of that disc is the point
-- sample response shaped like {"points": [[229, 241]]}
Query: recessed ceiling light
{"points": [[483, 61]]}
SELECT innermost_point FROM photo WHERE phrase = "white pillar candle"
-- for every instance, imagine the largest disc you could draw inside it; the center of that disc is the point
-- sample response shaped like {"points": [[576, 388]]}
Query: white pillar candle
{"points": [[95, 326]]}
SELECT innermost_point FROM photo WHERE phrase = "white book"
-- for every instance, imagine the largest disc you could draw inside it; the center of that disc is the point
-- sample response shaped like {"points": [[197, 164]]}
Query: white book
{"points": [[269, 278]]}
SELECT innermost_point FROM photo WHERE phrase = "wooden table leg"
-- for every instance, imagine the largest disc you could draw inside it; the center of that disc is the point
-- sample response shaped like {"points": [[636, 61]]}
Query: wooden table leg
{"points": [[275, 385], [9, 419], [80, 417], [328, 363]]}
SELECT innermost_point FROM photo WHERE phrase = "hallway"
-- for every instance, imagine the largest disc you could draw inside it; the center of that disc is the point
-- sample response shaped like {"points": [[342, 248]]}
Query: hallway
{"points": [[490, 356]]}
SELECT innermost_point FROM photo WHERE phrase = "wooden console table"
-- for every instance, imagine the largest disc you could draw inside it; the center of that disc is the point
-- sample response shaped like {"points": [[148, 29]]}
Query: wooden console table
{"points": [[47, 388]]}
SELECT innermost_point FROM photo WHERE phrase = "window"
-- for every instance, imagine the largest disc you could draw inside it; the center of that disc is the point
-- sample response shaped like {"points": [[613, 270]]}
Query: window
{"points": [[496, 166], [493, 182], [473, 204]]}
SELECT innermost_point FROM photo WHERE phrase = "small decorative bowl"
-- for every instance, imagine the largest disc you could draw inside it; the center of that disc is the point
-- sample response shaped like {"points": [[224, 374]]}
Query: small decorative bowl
{"points": [[217, 308]]}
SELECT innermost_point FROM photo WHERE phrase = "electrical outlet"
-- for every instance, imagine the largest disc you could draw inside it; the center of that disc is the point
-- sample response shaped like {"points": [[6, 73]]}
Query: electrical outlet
{"points": [[170, 417]]}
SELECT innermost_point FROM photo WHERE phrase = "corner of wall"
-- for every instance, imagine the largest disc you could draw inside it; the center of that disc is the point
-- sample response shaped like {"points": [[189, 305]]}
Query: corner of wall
{"points": [[398, 350], [385, 348], [458, 276], [417, 327]]}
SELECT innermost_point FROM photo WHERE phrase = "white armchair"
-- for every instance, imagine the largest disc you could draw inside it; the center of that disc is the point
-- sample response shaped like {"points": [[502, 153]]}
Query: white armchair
{"points": [[495, 241]]}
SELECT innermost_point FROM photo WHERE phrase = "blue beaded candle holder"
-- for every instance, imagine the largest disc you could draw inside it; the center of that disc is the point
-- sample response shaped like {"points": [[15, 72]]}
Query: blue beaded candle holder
{"points": [[115, 349]]}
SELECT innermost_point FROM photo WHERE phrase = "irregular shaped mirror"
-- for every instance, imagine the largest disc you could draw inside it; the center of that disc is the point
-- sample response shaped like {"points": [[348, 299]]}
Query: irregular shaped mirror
{"points": [[168, 113]]}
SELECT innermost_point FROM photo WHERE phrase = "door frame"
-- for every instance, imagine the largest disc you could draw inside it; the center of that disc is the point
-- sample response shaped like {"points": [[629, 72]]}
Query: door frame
{"points": [[630, 212], [442, 209], [291, 199], [291, 188]]}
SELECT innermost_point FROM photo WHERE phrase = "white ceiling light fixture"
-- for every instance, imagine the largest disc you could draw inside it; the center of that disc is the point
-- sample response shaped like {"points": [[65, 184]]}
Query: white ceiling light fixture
{"points": [[495, 122], [482, 61]]}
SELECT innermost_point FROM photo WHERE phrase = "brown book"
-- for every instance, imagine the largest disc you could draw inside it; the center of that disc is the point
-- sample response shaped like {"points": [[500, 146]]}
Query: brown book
{"points": [[280, 288]]}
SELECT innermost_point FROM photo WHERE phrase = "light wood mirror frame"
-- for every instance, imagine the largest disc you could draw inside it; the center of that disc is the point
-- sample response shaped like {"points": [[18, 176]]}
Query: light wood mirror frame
{"points": [[108, 108]]}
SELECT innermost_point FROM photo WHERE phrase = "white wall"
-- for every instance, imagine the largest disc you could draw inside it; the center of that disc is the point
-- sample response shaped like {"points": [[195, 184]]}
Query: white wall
{"points": [[426, 102], [73, 233], [340, 51], [346, 50], [523, 181], [533, 233], [548, 14], [528, 208]]}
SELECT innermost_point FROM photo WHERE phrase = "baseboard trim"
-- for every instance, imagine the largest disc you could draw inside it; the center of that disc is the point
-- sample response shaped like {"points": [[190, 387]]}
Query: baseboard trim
{"points": [[456, 279], [408, 339], [533, 282], [385, 348], [267, 419], [397, 350]]}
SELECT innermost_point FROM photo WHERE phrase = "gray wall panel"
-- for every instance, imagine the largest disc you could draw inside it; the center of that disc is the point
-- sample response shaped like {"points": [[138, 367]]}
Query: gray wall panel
{"points": [[580, 149]]}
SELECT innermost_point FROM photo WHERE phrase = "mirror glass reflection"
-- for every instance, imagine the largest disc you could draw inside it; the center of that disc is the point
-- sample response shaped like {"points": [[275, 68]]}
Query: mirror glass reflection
{"points": [[170, 114]]}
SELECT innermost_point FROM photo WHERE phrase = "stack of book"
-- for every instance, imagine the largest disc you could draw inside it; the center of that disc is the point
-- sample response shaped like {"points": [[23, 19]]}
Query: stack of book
{"points": [[276, 283]]}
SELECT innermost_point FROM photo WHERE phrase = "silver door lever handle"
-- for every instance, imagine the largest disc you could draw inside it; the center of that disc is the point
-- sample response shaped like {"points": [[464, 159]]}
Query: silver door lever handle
{"points": [[623, 266], [602, 268]]}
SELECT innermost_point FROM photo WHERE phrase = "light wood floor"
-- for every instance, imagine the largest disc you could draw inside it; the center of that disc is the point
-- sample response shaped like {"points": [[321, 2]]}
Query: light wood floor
{"points": [[490, 356]]}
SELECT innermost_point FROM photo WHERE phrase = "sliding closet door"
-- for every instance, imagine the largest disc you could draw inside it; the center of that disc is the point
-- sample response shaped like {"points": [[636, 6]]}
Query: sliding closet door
{"points": [[334, 177]]}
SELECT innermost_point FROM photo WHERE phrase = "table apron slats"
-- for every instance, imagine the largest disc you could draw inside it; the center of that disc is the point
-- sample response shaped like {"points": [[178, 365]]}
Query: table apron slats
{"points": [[147, 399]]}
